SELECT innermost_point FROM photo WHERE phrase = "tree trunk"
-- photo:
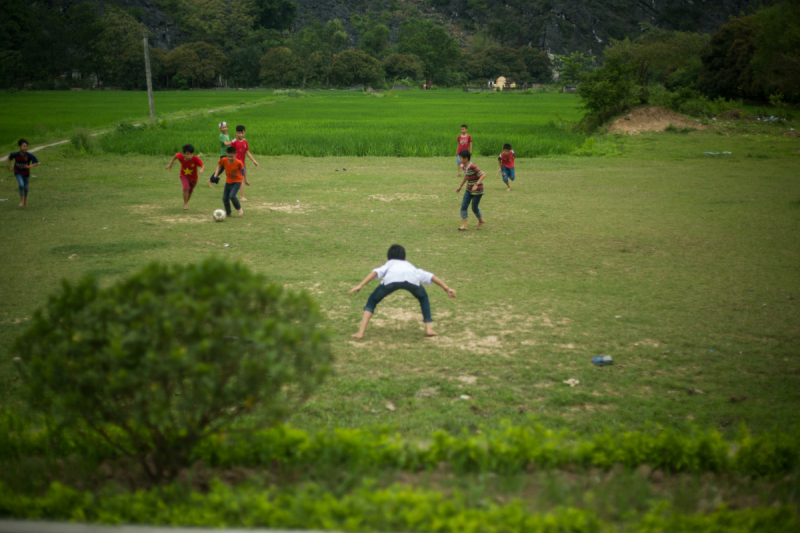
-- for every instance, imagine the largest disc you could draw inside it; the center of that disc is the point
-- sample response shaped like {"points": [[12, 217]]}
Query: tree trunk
{"points": [[304, 81]]}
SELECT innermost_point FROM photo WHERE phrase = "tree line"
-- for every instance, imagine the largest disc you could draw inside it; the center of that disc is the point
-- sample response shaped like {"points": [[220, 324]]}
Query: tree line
{"points": [[241, 43], [752, 57]]}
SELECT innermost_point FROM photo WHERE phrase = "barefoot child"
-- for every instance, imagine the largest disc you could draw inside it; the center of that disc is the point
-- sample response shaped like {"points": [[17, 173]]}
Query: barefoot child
{"points": [[395, 274], [474, 178], [506, 162], [233, 180], [21, 163], [189, 167], [242, 150], [464, 143]]}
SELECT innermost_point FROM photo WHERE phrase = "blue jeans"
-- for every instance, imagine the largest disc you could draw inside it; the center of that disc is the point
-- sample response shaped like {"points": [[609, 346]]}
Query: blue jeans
{"points": [[229, 196], [468, 197], [22, 181], [382, 291], [508, 174]]}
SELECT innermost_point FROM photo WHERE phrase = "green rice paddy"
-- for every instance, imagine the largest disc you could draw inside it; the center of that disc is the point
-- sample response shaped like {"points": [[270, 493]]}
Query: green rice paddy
{"points": [[41, 116], [405, 124]]}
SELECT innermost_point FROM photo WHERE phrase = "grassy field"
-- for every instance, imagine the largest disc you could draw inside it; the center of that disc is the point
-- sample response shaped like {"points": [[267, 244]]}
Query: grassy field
{"points": [[41, 116], [407, 123], [682, 267]]}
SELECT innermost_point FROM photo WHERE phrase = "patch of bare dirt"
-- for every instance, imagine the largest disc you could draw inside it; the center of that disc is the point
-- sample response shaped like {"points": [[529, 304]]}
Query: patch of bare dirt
{"points": [[297, 208], [653, 118], [402, 197]]}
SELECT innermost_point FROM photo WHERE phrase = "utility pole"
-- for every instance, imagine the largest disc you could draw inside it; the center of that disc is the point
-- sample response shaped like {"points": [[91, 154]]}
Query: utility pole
{"points": [[149, 78]]}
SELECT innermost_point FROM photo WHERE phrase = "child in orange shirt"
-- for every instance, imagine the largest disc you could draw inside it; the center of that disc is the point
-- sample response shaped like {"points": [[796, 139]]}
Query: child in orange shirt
{"points": [[233, 180]]}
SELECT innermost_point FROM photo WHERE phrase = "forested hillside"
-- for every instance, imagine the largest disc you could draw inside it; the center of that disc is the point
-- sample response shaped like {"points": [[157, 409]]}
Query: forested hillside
{"points": [[202, 43]]}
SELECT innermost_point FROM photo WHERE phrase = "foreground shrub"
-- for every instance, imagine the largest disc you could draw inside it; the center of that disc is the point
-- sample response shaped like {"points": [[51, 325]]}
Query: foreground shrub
{"points": [[396, 508], [159, 361]]}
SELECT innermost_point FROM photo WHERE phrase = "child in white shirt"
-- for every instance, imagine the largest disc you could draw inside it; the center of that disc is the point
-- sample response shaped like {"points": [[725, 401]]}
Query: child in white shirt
{"points": [[395, 274]]}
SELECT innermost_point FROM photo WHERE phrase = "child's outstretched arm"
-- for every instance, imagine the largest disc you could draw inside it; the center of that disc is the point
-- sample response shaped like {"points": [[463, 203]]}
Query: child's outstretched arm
{"points": [[252, 158], [480, 178], [200, 168], [450, 292], [462, 181], [174, 157], [372, 275]]}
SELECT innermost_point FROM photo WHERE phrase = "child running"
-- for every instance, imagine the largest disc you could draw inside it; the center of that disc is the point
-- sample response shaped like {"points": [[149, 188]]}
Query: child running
{"points": [[474, 178], [21, 163], [233, 180], [395, 274], [506, 162], [464, 143], [189, 167], [242, 150]]}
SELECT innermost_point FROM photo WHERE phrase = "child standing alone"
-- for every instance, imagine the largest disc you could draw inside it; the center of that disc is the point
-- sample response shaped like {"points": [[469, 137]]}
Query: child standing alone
{"points": [[189, 168], [474, 178], [464, 143], [242, 150], [233, 180], [506, 162], [21, 163], [396, 274]]}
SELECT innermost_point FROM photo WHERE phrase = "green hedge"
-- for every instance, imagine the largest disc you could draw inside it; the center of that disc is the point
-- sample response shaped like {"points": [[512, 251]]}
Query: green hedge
{"points": [[506, 451], [397, 508]]}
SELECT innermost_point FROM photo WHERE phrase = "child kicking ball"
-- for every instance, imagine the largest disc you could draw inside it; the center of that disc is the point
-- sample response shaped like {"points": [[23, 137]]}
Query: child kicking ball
{"points": [[395, 274]]}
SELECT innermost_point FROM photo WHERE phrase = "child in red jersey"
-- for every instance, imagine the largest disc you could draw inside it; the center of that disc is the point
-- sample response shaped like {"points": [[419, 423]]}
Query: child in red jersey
{"points": [[506, 162], [242, 150], [474, 178], [464, 143], [189, 167]]}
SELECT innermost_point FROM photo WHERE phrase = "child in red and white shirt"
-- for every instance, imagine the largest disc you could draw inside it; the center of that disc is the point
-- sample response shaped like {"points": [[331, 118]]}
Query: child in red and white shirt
{"points": [[464, 143], [189, 168], [506, 162], [242, 150]]}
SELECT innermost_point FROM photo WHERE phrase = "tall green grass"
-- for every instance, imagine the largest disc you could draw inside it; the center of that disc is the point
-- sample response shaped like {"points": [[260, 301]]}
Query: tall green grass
{"points": [[412, 124]]}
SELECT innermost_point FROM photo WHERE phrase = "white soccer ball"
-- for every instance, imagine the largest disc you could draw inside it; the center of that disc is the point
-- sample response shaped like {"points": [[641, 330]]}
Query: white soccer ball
{"points": [[219, 215]]}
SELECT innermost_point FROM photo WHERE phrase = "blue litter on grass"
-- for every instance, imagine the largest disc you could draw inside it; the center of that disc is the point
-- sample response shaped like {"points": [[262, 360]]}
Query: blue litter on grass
{"points": [[602, 360]]}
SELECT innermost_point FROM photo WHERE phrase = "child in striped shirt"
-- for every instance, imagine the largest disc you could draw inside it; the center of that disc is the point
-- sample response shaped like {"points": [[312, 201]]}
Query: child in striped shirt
{"points": [[473, 176]]}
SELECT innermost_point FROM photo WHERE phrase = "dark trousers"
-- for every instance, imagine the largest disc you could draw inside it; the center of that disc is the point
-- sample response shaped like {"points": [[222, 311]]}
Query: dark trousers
{"points": [[382, 291], [465, 201], [229, 197]]}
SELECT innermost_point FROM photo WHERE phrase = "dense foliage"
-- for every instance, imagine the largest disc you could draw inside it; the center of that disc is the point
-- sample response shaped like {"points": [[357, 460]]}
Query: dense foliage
{"points": [[159, 361], [367, 508]]}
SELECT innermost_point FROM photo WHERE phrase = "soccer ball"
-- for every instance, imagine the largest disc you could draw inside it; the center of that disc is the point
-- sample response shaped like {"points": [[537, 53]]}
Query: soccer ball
{"points": [[219, 215]]}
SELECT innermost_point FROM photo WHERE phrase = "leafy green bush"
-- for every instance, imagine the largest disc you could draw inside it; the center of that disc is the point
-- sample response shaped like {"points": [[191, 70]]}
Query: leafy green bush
{"points": [[81, 141], [367, 508], [159, 361], [291, 93]]}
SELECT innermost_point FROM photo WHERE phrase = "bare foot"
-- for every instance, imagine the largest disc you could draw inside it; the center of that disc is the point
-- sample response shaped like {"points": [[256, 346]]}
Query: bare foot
{"points": [[431, 333], [185, 207], [21, 204], [358, 335], [241, 212], [244, 199], [508, 189], [479, 226], [462, 228]]}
